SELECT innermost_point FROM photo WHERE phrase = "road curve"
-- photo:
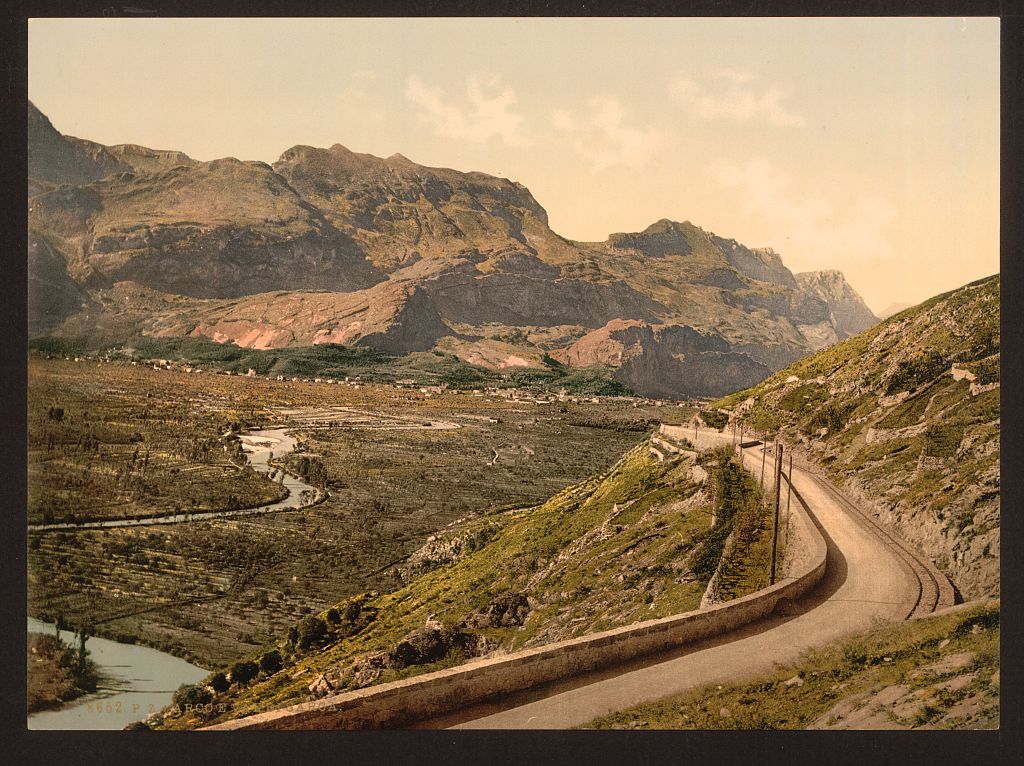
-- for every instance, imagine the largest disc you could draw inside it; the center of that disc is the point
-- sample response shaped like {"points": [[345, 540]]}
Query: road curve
{"points": [[867, 578]]}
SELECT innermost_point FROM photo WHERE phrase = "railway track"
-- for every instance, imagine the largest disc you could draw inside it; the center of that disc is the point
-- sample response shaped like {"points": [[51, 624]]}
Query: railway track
{"points": [[934, 590]]}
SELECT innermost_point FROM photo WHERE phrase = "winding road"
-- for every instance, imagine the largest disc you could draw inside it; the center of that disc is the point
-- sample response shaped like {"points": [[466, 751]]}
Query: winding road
{"points": [[870, 576]]}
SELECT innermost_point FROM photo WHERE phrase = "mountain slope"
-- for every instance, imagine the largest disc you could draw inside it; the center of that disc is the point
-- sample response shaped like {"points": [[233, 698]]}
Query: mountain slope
{"points": [[907, 416], [848, 314], [56, 159], [401, 212], [472, 252], [633, 544]]}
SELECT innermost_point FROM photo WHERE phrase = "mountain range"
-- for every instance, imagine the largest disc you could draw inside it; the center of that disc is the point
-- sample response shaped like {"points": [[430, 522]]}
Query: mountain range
{"points": [[331, 246]]}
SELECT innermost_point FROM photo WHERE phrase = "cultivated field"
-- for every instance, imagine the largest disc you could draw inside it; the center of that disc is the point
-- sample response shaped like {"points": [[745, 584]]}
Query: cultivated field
{"points": [[398, 464]]}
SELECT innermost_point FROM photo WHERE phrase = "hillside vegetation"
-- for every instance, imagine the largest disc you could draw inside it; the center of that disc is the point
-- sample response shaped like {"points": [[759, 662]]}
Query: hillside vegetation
{"points": [[940, 672], [632, 544], [907, 416]]}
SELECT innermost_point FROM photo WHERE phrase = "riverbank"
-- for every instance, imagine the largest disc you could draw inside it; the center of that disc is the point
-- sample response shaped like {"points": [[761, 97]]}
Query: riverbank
{"points": [[134, 681], [55, 672]]}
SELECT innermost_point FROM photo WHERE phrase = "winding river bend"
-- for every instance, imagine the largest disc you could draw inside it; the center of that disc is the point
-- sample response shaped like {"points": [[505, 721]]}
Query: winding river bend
{"points": [[136, 681], [140, 680], [259, 446]]}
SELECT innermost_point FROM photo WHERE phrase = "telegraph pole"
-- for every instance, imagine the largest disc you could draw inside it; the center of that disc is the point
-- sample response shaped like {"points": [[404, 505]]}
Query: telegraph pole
{"points": [[775, 526], [789, 493], [764, 456]]}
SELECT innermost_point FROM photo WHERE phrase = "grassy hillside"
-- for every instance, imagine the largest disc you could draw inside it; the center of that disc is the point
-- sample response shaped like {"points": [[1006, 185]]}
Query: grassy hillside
{"points": [[632, 544], [907, 415], [937, 673]]}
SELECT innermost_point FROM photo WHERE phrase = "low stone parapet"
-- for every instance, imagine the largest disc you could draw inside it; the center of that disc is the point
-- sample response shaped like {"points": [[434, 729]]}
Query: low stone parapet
{"points": [[401, 702]]}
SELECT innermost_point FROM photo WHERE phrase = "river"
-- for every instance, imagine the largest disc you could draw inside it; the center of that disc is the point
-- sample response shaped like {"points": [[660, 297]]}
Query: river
{"points": [[259, 446], [136, 681], [140, 680]]}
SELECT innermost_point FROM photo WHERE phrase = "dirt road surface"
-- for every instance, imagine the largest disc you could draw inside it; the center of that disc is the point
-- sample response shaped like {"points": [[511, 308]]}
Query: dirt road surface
{"points": [[865, 581]]}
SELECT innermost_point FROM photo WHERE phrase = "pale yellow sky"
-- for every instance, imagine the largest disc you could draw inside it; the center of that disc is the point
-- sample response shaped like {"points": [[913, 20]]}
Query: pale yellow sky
{"points": [[866, 145]]}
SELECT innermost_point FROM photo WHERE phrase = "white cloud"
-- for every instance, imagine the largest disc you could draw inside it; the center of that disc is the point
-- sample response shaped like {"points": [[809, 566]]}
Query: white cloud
{"points": [[603, 136], [488, 112], [736, 95], [813, 224]]}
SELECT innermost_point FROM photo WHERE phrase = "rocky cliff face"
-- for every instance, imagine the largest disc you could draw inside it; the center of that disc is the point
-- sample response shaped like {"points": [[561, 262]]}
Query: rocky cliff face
{"points": [[56, 159], [664, 360], [331, 244], [401, 212], [847, 312]]}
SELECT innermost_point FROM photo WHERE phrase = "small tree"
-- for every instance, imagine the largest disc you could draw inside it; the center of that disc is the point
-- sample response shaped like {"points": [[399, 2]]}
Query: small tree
{"points": [[189, 695], [243, 672], [352, 610], [333, 616], [270, 662], [83, 636], [220, 683], [311, 631], [293, 636]]}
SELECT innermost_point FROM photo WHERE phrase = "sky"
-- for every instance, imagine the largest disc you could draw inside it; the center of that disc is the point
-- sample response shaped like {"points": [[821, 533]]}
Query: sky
{"points": [[865, 145]]}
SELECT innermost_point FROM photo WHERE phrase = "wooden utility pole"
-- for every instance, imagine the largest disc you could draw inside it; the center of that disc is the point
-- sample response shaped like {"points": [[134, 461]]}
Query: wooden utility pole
{"points": [[775, 525], [764, 457], [789, 493]]}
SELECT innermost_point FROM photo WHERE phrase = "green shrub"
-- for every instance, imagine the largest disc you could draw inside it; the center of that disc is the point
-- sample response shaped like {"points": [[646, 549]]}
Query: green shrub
{"points": [[911, 373], [312, 630], [270, 662], [191, 696], [244, 671], [942, 440], [714, 419], [220, 683]]}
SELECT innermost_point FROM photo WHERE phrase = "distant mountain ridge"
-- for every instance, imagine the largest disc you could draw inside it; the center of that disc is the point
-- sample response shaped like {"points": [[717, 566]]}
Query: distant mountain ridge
{"points": [[332, 246]]}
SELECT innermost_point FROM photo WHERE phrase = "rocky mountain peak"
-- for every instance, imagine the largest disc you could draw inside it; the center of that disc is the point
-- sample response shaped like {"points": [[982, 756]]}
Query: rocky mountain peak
{"points": [[403, 257], [848, 312], [662, 238], [59, 159]]}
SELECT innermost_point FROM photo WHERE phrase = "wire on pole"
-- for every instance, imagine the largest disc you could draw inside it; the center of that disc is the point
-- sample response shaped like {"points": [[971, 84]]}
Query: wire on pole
{"points": [[775, 525]]}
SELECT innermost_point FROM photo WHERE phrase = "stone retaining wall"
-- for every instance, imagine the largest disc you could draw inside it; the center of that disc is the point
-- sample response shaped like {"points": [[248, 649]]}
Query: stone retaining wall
{"points": [[401, 702]]}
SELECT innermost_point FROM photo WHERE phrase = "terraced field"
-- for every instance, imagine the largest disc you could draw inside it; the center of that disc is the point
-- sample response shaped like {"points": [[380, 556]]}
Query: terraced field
{"points": [[214, 590]]}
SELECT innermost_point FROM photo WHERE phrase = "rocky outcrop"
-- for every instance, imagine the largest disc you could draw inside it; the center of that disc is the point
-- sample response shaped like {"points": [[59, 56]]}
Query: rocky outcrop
{"points": [[394, 318], [218, 229], [400, 211], [57, 159], [462, 294], [847, 312], [664, 360], [53, 295]]}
